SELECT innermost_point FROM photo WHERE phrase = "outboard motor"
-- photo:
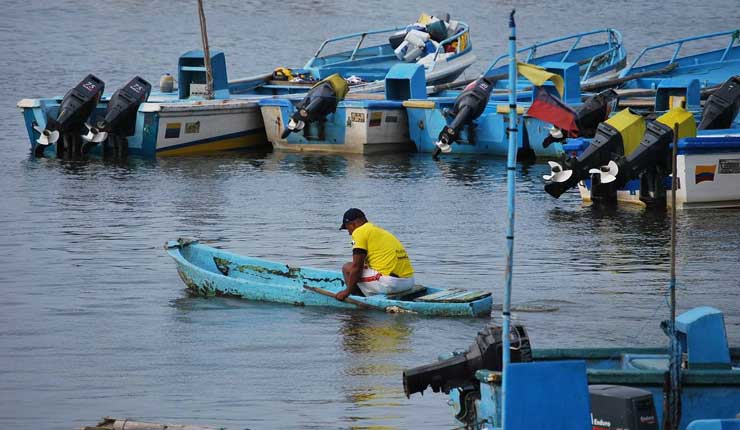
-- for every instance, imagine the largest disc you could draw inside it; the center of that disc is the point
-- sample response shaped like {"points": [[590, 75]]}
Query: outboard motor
{"points": [[459, 370], [588, 116], [77, 105], [120, 118], [650, 161], [722, 106], [614, 137], [469, 105], [321, 100]]}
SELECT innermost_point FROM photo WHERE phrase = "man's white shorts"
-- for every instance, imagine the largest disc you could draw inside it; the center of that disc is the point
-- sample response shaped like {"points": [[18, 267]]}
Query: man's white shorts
{"points": [[372, 283]]}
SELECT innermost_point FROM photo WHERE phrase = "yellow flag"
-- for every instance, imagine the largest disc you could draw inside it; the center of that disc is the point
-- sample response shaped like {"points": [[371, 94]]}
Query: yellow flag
{"points": [[538, 76]]}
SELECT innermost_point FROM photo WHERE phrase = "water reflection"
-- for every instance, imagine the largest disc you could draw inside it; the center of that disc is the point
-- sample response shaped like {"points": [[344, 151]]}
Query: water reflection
{"points": [[373, 343]]}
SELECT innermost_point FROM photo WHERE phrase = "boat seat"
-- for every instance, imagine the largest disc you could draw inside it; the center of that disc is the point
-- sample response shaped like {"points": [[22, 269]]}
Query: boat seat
{"points": [[403, 294], [453, 295]]}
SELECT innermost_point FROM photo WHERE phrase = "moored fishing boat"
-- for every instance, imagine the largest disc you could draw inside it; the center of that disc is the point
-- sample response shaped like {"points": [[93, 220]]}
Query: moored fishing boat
{"points": [[587, 57], [696, 377], [205, 111], [209, 271], [629, 158], [367, 120]]}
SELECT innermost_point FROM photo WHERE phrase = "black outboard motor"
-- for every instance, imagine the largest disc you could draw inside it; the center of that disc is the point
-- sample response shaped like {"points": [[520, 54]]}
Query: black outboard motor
{"points": [[320, 101], [120, 118], [650, 161], [459, 370], [469, 105], [77, 105], [607, 144], [722, 106], [589, 115]]}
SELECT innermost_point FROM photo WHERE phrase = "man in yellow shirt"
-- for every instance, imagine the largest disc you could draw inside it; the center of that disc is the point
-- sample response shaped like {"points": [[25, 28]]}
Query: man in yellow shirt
{"points": [[379, 263]]}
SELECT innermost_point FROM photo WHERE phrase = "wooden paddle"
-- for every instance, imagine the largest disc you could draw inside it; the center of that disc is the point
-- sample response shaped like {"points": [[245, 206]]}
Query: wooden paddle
{"points": [[358, 303]]}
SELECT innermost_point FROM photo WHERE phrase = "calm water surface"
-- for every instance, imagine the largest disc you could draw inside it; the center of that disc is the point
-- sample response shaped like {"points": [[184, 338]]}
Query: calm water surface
{"points": [[94, 320]]}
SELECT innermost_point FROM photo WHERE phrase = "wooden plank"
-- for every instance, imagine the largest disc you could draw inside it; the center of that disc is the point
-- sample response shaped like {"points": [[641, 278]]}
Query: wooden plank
{"points": [[365, 96], [469, 297], [461, 296], [439, 294], [638, 103]]}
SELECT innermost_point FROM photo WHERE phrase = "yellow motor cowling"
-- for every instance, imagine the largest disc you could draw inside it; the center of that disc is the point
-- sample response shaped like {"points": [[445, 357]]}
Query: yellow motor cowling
{"points": [[630, 127], [337, 82], [682, 117]]}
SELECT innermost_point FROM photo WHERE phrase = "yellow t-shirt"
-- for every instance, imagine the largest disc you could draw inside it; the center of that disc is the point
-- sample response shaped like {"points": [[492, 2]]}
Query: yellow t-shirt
{"points": [[385, 253]]}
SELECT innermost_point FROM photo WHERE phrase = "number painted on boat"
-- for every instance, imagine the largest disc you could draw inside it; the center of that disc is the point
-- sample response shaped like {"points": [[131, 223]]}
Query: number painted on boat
{"points": [[729, 166], [357, 117]]}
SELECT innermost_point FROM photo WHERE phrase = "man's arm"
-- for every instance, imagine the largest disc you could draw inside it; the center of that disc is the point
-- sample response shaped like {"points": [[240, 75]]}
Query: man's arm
{"points": [[354, 274]]}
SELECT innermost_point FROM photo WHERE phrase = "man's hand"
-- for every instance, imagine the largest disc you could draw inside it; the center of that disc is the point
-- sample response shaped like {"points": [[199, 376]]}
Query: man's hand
{"points": [[341, 295]]}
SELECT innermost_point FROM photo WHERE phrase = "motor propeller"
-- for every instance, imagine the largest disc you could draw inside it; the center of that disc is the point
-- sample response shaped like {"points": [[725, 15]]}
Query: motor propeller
{"points": [[557, 173], [46, 136], [607, 173], [94, 134]]}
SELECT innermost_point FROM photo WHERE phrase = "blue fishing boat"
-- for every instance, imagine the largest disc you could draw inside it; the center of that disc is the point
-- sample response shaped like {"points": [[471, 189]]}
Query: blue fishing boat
{"points": [[209, 271], [578, 64], [628, 159], [710, 375], [369, 123], [365, 121], [199, 114], [697, 377]]}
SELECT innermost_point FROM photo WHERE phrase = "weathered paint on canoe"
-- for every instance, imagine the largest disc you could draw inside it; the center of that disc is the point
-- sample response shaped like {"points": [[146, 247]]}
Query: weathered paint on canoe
{"points": [[208, 271]]}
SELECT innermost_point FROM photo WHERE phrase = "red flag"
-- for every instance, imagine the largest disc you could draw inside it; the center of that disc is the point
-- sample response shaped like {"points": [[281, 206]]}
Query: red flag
{"points": [[551, 109]]}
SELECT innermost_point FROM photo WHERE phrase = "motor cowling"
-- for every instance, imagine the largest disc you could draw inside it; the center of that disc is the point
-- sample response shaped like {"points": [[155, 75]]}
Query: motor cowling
{"points": [[321, 100], [469, 105], [588, 116], [120, 116], [459, 370], [76, 106], [722, 107]]}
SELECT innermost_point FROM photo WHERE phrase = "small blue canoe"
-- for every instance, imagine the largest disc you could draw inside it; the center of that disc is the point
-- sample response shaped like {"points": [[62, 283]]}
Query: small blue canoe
{"points": [[209, 271]]}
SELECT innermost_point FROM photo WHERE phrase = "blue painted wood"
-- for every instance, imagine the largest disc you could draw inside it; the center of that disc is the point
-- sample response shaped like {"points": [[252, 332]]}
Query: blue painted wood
{"points": [[487, 134], [209, 271], [547, 395], [714, 425]]}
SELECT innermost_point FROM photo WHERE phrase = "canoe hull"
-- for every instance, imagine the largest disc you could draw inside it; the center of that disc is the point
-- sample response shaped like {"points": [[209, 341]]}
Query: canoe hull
{"points": [[208, 271]]}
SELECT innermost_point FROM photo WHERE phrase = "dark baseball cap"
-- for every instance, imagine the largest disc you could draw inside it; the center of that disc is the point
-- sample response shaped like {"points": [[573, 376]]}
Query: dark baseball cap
{"points": [[351, 215]]}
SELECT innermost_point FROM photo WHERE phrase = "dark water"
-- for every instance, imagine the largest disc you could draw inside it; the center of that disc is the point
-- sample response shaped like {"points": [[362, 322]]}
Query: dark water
{"points": [[94, 320]]}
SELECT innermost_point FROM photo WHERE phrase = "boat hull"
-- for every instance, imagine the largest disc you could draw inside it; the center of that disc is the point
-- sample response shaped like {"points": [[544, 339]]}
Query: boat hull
{"points": [[708, 173], [208, 271], [486, 135], [170, 128], [362, 127]]}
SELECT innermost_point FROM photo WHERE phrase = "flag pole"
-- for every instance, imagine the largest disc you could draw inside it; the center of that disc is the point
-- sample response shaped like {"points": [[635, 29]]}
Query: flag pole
{"points": [[510, 180]]}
